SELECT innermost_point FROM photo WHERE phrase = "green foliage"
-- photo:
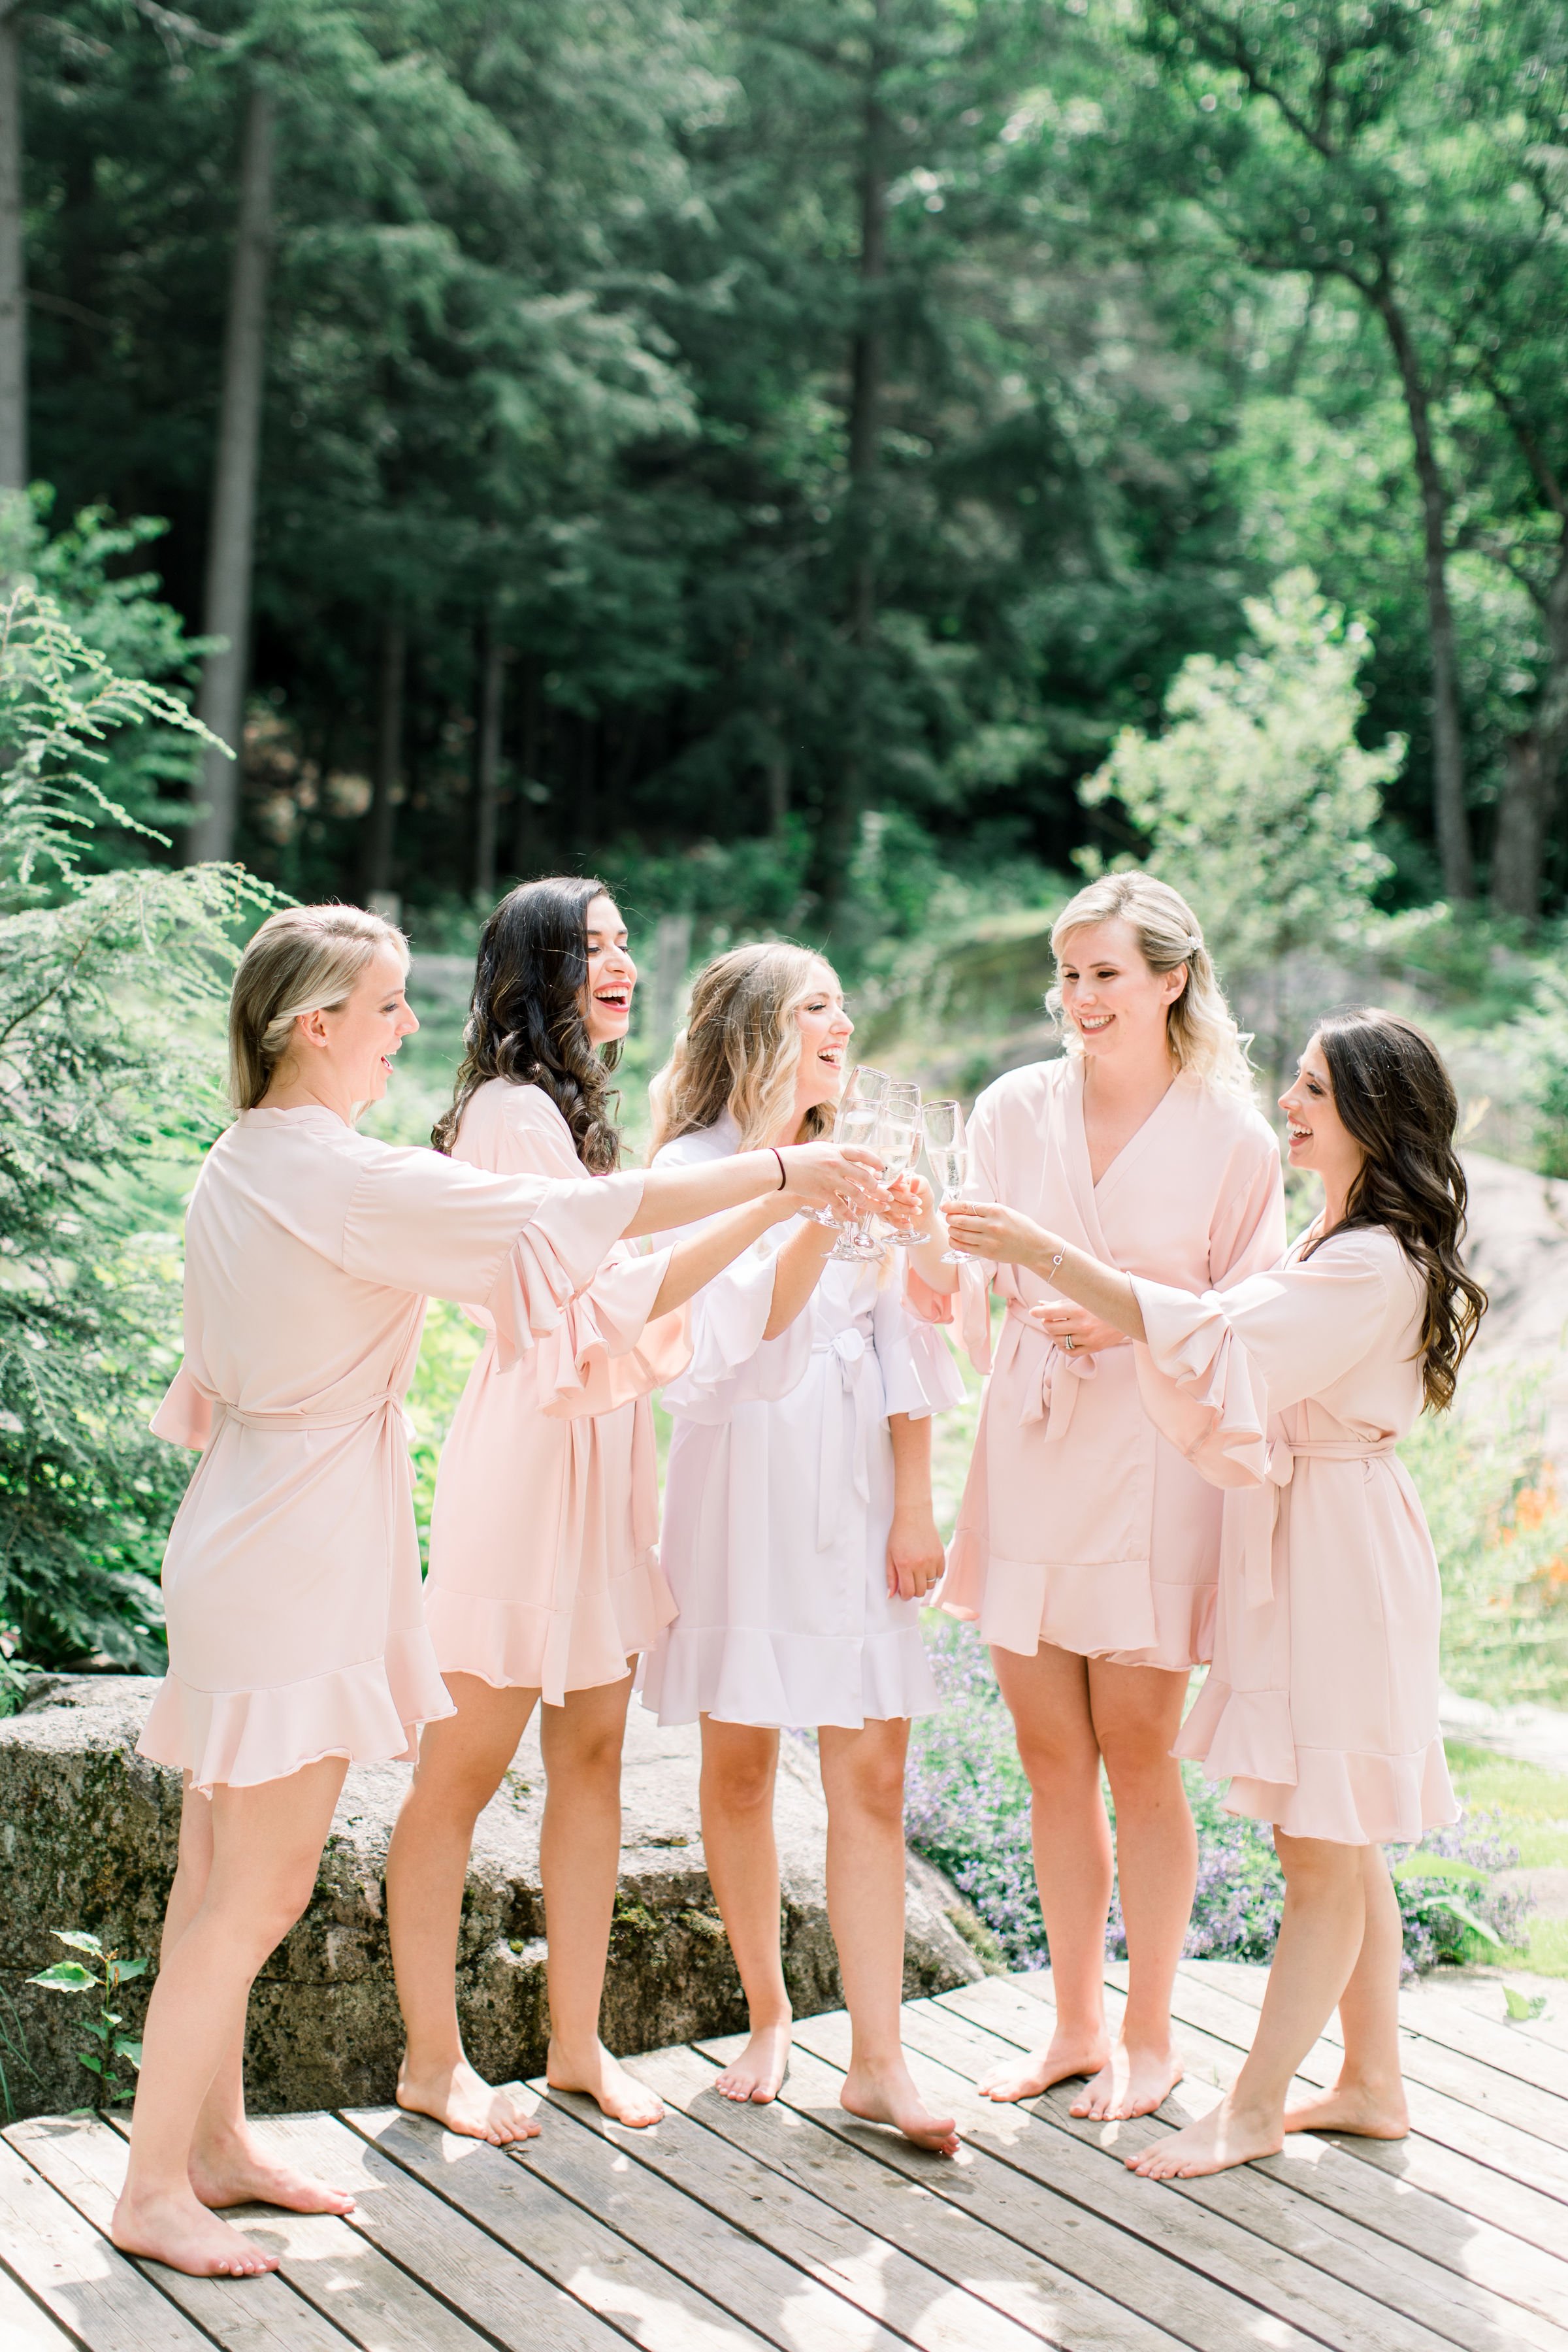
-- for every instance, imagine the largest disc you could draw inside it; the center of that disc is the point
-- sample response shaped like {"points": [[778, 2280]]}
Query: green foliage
{"points": [[110, 984], [1258, 800], [115, 2060]]}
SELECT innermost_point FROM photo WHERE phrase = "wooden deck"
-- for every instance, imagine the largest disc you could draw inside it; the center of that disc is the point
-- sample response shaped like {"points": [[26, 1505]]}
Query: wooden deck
{"points": [[792, 2226]]}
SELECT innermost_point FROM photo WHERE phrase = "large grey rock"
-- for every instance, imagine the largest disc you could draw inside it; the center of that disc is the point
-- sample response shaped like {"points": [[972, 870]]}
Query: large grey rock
{"points": [[87, 1839]]}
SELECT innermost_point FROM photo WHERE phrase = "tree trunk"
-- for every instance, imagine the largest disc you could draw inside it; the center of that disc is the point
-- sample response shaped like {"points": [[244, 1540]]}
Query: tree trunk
{"points": [[13, 261], [839, 833], [231, 546], [1533, 763], [524, 827], [388, 758], [1451, 816], [492, 701]]}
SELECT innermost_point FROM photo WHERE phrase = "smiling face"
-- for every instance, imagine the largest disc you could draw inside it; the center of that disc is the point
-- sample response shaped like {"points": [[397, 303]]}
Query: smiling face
{"points": [[343, 1055], [1317, 1136], [826, 1030], [1115, 1004], [611, 974]]}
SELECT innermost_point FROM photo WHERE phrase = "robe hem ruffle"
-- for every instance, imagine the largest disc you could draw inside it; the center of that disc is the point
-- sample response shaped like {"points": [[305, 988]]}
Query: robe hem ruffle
{"points": [[515, 1645], [1089, 1610], [369, 1713], [1343, 1796], [784, 1681]]}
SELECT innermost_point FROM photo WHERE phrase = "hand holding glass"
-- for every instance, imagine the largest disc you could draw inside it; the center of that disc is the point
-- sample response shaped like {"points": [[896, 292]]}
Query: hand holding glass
{"points": [[947, 1149]]}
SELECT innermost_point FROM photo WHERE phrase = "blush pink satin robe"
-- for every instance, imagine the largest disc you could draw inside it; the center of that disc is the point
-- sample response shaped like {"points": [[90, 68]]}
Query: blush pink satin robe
{"points": [[292, 1577], [544, 1537], [1081, 1526], [1291, 1391]]}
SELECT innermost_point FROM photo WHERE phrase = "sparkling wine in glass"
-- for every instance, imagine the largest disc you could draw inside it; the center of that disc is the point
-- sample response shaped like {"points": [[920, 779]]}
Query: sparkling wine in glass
{"points": [[898, 1141], [858, 1121], [863, 1090], [947, 1149]]}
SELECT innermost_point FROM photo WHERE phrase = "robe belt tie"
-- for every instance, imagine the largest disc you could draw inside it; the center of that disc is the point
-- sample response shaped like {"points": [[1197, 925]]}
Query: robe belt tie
{"points": [[283, 1420], [1052, 1397], [1262, 1502], [851, 1428]]}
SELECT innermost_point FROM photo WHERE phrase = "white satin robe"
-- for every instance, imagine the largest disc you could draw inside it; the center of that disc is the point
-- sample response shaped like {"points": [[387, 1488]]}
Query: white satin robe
{"points": [[292, 1576], [779, 1493], [1081, 1526]]}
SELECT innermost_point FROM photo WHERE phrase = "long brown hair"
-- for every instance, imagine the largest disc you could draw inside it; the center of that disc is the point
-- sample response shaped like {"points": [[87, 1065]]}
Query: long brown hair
{"points": [[1394, 1095], [525, 1021], [740, 1049]]}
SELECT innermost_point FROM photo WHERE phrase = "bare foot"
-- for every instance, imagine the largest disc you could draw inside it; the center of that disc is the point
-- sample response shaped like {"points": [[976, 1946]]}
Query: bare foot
{"points": [[465, 2102], [759, 2071], [1369, 2112], [239, 2171], [886, 2095], [1026, 2078], [177, 2230], [619, 2094], [1130, 2083], [1224, 2136]]}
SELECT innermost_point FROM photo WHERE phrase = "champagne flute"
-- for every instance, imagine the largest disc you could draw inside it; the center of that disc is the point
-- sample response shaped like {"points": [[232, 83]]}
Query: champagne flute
{"points": [[863, 1090], [858, 1121], [947, 1149], [898, 1141]]}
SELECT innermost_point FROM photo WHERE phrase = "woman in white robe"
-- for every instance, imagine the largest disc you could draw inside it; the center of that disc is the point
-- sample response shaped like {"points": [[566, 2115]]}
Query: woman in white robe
{"points": [[799, 1534]]}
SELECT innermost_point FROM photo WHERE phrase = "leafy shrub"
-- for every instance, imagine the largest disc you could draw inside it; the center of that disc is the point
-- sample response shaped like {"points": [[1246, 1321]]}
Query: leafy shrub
{"points": [[110, 985]]}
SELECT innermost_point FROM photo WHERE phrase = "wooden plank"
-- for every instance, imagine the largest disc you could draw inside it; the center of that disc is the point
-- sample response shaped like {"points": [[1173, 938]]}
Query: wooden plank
{"points": [[24, 2328], [1476, 2082], [1481, 1996], [1293, 2290], [85, 2162], [418, 2233], [1463, 2279], [706, 2172], [752, 2232], [916, 2232], [101, 2301], [1412, 2187], [1455, 2122], [1162, 2287], [641, 2297]]}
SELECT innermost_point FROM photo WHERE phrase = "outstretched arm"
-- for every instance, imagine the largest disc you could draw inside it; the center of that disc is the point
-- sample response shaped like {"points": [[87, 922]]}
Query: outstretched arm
{"points": [[991, 1231], [816, 1176]]}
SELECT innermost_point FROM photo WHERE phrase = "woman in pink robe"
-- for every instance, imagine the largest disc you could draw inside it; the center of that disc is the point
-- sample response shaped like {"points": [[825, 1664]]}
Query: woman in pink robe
{"points": [[291, 1579], [544, 1579], [1291, 1391], [1086, 1548]]}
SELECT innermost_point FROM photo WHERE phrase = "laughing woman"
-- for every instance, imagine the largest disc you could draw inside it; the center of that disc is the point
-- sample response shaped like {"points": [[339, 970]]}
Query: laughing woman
{"points": [[1294, 1387], [799, 1534], [1086, 1548], [544, 1580], [297, 1643]]}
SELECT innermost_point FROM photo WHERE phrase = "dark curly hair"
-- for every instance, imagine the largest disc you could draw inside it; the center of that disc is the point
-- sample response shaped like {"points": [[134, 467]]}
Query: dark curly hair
{"points": [[1394, 1095], [525, 1019]]}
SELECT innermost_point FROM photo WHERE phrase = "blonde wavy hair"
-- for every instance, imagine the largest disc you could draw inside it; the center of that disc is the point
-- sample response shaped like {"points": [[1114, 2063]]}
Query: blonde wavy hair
{"points": [[1201, 1028], [303, 959], [740, 1050]]}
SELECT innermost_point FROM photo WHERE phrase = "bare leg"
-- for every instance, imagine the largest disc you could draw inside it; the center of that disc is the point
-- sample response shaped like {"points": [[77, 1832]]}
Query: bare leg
{"points": [[462, 1760], [266, 1847], [1369, 2097], [580, 1860], [230, 2165], [1137, 1714], [862, 1778], [1325, 1917], [740, 1767], [1048, 1696]]}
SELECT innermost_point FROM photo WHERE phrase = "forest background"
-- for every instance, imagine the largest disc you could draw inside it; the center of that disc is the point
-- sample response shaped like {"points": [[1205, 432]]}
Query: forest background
{"points": [[838, 468]]}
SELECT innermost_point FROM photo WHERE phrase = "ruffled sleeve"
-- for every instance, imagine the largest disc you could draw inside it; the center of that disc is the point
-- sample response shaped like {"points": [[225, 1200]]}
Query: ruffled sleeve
{"points": [[1211, 1369], [919, 1375], [732, 1363], [185, 1416], [520, 1246]]}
